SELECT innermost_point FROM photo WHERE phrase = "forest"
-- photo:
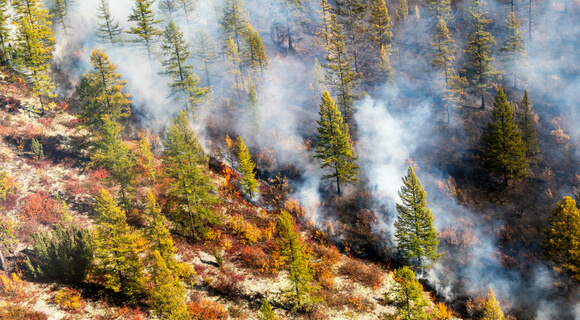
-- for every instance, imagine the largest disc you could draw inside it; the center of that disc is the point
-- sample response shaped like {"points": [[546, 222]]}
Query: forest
{"points": [[289, 159]]}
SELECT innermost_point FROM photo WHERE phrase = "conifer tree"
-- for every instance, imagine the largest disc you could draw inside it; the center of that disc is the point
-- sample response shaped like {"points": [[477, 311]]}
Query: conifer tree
{"points": [[291, 13], [254, 104], [444, 49], [247, 167], [340, 76], [505, 152], [324, 32], [61, 14], [146, 31], [415, 225], [144, 160], [4, 27], [402, 11], [117, 249], [233, 20], [380, 24], [334, 148], [562, 243], [479, 68], [184, 86], [187, 8], [107, 28], [190, 190], [266, 312], [528, 125], [204, 51], [408, 294], [385, 70], [34, 42], [256, 56], [513, 50], [157, 234], [319, 77], [101, 92], [441, 9], [168, 9], [234, 62], [351, 15], [167, 294], [492, 308], [296, 261]]}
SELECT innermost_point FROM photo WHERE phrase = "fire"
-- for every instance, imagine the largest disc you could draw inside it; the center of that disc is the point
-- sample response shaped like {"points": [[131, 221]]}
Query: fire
{"points": [[228, 172]]}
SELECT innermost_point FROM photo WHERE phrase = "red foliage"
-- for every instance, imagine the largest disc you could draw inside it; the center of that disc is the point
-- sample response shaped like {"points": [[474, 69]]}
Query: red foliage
{"points": [[10, 102], [73, 123], [229, 284], [46, 121], [12, 312], [253, 257], [73, 187], [202, 309], [43, 208], [370, 276]]}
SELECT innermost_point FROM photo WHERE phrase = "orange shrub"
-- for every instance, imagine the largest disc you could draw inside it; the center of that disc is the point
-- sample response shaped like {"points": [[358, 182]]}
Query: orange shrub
{"points": [[43, 208], [11, 285], [323, 274], [203, 309], [370, 276], [253, 257]]}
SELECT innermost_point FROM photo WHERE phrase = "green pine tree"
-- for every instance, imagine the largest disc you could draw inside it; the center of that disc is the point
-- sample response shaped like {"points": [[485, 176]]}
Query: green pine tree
{"points": [[254, 104], [324, 31], [441, 9], [444, 47], [415, 231], [233, 20], [167, 294], [146, 31], [351, 15], [62, 9], [408, 295], [513, 50], [107, 29], [204, 51], [528, 125], [492, 308], [505, 152], [247, 167], [157, 234], [5, 17], [190, 191], [385, 70], [256, 55], [234, 62], [117, 249], [101, 93], [334, 147], [266, 312], [380, 24]]}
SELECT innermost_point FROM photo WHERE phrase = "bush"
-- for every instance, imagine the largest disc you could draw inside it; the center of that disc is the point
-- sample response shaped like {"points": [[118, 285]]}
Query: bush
{"points": [[43, 208], [370, 276], [64, 255], [68, 299], [249, 233], [219, 258], [253, 258], [12, 312], [10, 285], [37, 149], [202, 309], [229, 284]]}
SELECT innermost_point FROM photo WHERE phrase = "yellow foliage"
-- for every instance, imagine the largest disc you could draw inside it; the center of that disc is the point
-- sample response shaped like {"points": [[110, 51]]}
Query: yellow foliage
{"points": [[294, 208], [274, 264], [225, 243], [249, 233], [11, 285], [211, 236], [357, 303], [68, 299], [442, 313]]}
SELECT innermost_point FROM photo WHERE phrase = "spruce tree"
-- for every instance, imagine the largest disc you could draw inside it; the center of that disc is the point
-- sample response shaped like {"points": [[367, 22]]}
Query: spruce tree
{"points": [[561, 246], [408, 295], [204, 51], [415, 231], [479, 67], [505, 152], [492, 308], [528, 125], [117, 249], [256, 55], [190, 191], [107, 29], [101, 92], [444, 50], [146, 31], [4, 28], [254, 106], [513, 50], [247, 167], [334, 148], [184, 85], [380, 24], [351, 15], [167, 294]]}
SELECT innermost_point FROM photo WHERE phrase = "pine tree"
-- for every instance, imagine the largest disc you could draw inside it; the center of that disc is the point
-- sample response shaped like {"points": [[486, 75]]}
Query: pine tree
{"points": [[562, 243], [34, 42], [505, 152], [340, 76], [61, 14], [528, 125], [187, 8], [385, 70], [319, 78], [233, 20], [324, 32], [296, 261], [146, 31], [492, 308], [190, 190], [417, 14], [513, 50], [479, 67], [266, 312], [107, 28], [408, 295], [247, 167], [117, 249], [415, 225], [292, 15], [380, 24], [204, 51], [168, 9], [101, 92], [234, 61], [256, 56], [185, 82], [441, 9], [114, 155], [4, 28], [444, 49], [402, 11], [351, 15], [157, 234], [334, 147], [167, 294], [254, 105]]}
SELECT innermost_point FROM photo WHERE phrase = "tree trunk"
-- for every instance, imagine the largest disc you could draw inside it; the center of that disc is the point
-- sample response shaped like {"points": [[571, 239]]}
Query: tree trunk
{"points": [[3, 265], [482, 101]]}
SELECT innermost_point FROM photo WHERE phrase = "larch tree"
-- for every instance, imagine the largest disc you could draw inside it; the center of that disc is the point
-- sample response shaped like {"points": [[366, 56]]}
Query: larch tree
{"points": [[158, 235], [408, 295], [234, 62], [4, 27], [340, 75], [479, 67], [441, 9], [184, 86], [166, 294], [34, 42], [335, 148], [256, 55], [62, 9], [505, 152], [351, 15], [254, 109], [561, 246], [101, 92], [190, 191], [107, 29], [247, 167], [117, 249], [233, 20], [146, 31], [204, 51], [415, 231], [528, 125], [168, 10], [290, 17], [380, 24], [492, 308], [444, 47], [325, 21], [187, 8], [513, 50]]}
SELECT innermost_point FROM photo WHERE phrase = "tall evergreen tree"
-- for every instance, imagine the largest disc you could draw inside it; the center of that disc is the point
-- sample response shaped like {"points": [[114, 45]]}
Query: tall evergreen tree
{"points": [[107, 28], [290, 15], [4, 27], [415, 225], [234, 61], [62, 10], [256, 56], [513, 50], [254, 106], [444, 49], [408, 295], [380, 24], [324, 32], [146, 31], [184, 86], [190, 191], [204, 51], [528, 125], [234, 19], [101, 92], [492, 308], [505, 152], [117, 249], [247, 167], [167, 294], [335, 149], [158, 235], [351, 15], [441, 9], [479, 68]]}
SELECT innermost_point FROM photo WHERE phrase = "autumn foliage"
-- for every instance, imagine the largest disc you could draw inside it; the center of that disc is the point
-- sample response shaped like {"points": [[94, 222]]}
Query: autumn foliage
{"points": [[203, 309], [41, 207]]}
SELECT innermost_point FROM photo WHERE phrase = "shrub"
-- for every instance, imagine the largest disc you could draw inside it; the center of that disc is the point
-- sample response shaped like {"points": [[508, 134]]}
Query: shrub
{"points": [[12, 312], [249, 233], [10, 285], [37, 149], [68, 299], [229, 284], [370, 276], [203, 309], [253, 258], [219, 258], [43, 208]]}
